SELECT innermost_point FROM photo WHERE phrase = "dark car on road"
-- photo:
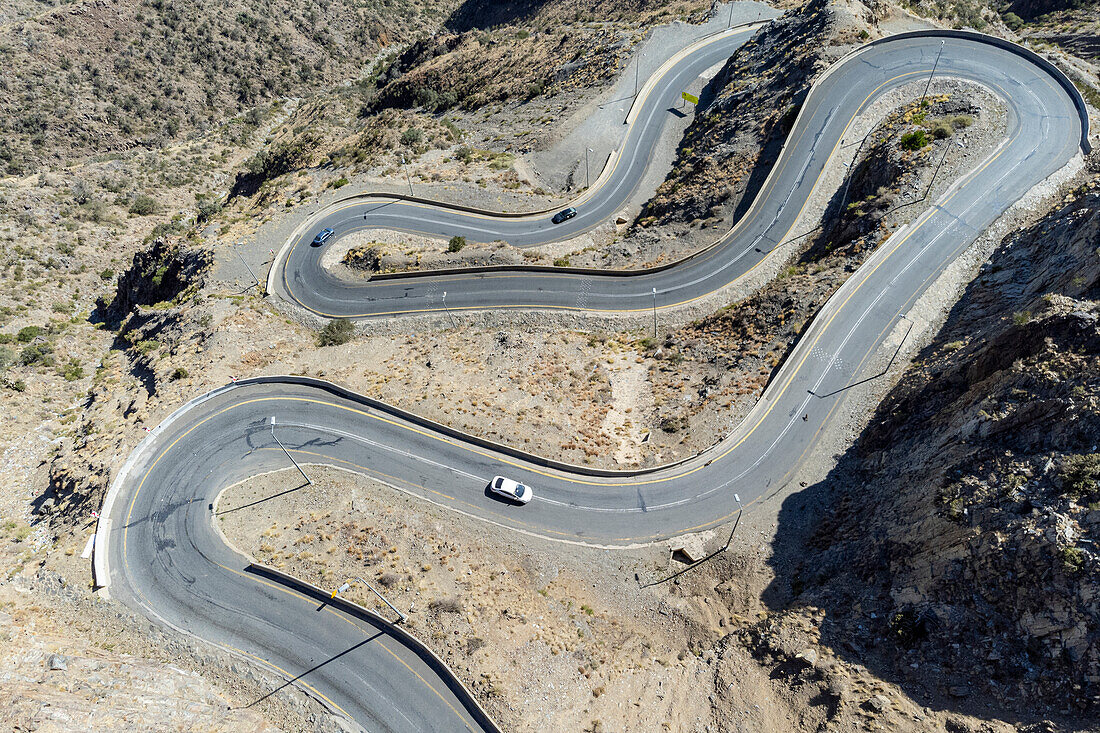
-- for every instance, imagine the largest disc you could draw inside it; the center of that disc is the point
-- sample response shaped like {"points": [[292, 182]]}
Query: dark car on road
{"points": [[322, 236], [564, 215]]}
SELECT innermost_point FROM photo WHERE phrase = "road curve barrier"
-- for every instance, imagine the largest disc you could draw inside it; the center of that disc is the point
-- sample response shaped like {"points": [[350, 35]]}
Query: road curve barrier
{"points": [[406, 638]]}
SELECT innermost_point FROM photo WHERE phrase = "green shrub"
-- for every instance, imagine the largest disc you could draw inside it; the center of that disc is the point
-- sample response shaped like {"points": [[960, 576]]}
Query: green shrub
{"points": [[456, 243], [72, 371], [179, 373], [208, 206], [28, 334], [107, 274], [561, 262], [37, 355], [282, 158], [7, 357], [942, 129], [411, 137], [914, 140], [143, 205], [339, 182], [1013, 21], [961, 121], [1081, 475], [1073, 559], [336, 332]]}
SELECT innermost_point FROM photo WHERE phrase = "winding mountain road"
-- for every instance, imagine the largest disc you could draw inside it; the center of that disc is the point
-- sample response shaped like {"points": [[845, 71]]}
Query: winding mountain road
{"points": [[158, 547]]}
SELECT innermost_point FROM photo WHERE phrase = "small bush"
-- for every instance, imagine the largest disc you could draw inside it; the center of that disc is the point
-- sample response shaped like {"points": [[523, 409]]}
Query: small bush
{"points": [[456, 244], [961, 121], [914, 140], [1073, 559], [28, 334], [942, 129], [339, 182], [446, 605], [336, 332], [1013, 21], [143, 205], [37, 355], [72, 371], [1081, 475], [107, 274], [179, 373], [561, 262], [411, 137]]}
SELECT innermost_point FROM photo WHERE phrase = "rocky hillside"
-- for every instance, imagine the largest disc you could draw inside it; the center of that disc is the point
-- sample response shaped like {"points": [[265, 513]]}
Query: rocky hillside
{"points": [[728, 149], [107, 75], [958, 548], [497, 52]]}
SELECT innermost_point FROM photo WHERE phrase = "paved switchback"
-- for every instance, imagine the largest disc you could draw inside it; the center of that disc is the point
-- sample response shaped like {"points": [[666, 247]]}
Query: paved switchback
{"points": [[166, 558]]}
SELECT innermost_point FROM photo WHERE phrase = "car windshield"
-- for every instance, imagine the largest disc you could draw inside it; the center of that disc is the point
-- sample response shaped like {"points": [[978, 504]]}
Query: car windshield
{"points": [[520, 488]]}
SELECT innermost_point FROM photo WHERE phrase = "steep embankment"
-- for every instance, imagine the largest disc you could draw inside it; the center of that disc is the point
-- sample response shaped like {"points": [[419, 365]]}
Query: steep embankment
{"points": [[729, 147], [151, 310], [959, 554], [495, 52]]}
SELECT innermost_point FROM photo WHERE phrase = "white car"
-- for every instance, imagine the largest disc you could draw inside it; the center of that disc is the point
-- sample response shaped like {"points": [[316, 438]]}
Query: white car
{"points": [[510, 489]]}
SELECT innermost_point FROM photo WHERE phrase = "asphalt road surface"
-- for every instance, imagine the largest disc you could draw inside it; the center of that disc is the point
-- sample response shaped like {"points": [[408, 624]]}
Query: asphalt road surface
{"points": [[167, 559]]}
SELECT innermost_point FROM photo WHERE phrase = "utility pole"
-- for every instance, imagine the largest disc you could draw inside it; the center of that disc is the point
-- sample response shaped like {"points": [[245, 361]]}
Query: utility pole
{"points": [[637, 68], [730, 23], [654, 312], [929, 83], [308, 481], [407, 176], [587, 182]]}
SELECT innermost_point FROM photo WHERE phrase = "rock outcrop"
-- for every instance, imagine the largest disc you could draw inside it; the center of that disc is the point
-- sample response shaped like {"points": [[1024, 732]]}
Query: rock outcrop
{"points": [[959, 549]]}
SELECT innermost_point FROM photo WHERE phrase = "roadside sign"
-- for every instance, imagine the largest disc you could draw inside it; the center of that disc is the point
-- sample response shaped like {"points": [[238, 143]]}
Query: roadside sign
{"points": [[690, 97]]}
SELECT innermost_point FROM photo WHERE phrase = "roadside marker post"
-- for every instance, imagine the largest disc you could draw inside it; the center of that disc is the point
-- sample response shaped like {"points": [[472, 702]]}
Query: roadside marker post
{"points": [[400, 616], [308, 480], [259, 286], [933, 73], [689, 97], [654, 312]]}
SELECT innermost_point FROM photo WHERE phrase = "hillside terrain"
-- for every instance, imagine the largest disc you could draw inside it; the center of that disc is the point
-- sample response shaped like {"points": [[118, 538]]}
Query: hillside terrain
{"points": [[99, 77], [957, 547], [141, 140]]}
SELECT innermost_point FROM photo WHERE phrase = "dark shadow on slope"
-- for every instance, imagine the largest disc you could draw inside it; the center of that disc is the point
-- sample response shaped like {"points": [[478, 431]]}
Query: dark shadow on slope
{"points": [[478, 14], [847, 545]]}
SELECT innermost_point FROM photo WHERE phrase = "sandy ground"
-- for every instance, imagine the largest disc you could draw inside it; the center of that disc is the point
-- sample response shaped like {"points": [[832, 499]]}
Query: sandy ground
{"points": [[549, 640]]}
